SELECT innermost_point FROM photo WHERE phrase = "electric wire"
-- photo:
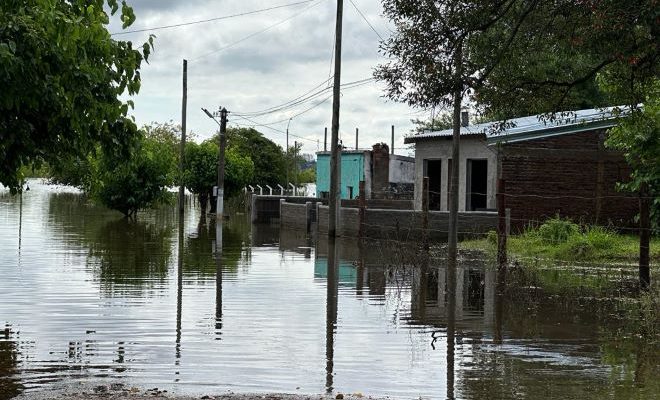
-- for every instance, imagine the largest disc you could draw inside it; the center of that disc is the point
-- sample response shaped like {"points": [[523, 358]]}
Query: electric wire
{"points": [[366, 20], [316, 3], [156, 28]]}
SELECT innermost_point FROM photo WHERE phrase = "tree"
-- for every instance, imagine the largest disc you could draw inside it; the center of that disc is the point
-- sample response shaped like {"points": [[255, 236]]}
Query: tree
{"points": [[638, 137], [269, 158], [200, 173], [137, 182], [61, 75]]}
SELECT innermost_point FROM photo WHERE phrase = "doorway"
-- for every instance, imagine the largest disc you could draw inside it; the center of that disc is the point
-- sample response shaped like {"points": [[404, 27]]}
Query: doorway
{"points": [[433, 169], [477, 185]]}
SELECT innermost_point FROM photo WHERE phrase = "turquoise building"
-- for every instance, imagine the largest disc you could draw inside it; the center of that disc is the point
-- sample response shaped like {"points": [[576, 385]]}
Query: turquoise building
{"points": [[355, 167]]}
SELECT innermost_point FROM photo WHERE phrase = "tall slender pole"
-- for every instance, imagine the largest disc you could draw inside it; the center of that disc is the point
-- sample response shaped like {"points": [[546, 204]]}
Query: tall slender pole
{"points": [[221, 166], [287, 152], [184, 104], [325, 139], [452, 240], [392, 149], [334, 200], [356, 138]]}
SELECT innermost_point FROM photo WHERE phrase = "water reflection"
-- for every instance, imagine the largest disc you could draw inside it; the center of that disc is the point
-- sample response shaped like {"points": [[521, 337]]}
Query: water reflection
{"points": [[398, 322], [10, 385]]}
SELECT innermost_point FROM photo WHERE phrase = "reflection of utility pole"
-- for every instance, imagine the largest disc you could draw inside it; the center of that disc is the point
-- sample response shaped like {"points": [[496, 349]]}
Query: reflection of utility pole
{"points": [[331, 312]]}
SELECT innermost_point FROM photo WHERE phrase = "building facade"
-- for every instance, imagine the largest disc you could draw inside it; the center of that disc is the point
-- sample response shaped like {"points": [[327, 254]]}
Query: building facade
{"points": [[549, 168], [385, 175]]}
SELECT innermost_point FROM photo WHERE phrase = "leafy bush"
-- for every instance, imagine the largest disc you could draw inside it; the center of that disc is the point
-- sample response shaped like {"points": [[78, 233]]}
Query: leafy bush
{"points": [[557, 230]]}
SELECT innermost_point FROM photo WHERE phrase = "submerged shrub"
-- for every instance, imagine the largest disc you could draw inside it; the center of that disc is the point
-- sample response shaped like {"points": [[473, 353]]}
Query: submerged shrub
{"points": [[557, 230], [600, 238]]}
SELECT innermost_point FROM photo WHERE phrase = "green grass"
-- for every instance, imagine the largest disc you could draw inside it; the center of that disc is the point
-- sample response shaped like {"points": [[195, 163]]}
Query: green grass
{"points": [[561, 240]]}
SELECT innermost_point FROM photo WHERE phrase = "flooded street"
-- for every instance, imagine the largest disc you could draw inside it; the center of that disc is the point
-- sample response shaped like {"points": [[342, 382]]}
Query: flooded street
{"points": [[88, 297]]}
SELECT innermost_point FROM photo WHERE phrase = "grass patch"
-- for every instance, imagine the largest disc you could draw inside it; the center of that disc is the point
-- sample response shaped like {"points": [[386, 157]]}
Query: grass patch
{"points": [[562, 240]]}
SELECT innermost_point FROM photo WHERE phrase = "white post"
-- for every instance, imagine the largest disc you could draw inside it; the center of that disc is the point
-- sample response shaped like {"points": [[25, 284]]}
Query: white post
{"points": [[281, 189], [261, 190], [251, 188], [293, 188], [270, 189], [245, 189]]}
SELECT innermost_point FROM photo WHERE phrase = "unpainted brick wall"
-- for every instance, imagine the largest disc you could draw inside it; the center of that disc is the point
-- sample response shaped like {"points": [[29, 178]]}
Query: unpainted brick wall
{"points": [[564, 175]]}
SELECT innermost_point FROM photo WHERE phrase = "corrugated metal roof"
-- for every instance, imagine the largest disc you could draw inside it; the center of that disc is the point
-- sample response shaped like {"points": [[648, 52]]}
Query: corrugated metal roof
{"points": [[535, 126]]}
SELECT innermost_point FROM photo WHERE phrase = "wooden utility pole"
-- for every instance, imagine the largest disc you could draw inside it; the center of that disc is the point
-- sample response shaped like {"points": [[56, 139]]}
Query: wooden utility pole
{"points": [[334, 200], [184, 104], [219, 210], [644, 237], [452, 240]]}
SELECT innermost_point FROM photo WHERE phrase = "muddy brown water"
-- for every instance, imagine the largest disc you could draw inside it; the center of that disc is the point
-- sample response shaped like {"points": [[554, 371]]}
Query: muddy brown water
{"points": [[89, 298]]}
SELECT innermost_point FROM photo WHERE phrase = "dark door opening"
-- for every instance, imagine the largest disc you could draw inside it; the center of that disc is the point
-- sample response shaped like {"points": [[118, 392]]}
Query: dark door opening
{"points": [[477, 185], [433, 169]]}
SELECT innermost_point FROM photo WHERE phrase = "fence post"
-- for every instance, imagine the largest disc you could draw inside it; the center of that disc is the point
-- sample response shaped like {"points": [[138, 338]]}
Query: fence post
{"points": [[501, 228], [425, 213], [644, 237], [362, 202]]}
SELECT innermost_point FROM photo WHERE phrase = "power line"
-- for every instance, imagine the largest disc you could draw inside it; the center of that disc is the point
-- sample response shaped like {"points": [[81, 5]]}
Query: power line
{"points": [[156, 28], [255, 123], [304, 98], [366, 20], [258, 32]]}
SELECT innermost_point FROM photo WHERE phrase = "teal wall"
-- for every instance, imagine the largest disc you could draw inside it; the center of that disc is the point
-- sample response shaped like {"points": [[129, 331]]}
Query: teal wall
{"points": [[352, 172]]}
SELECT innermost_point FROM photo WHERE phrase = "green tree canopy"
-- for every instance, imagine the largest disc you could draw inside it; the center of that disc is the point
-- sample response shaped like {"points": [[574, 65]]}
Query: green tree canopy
{"points": [[515, 57], [269, 158], [61, 75]]}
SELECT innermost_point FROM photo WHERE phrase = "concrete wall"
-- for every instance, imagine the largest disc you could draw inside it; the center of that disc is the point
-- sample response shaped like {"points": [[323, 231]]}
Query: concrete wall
{"points": [[295, 216], [472, 147], [406, 224], [402, 169], [266, 209]]}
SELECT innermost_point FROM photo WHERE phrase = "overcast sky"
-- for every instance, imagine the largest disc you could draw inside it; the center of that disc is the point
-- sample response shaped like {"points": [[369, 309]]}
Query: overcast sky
{"points": [[267, 69]]}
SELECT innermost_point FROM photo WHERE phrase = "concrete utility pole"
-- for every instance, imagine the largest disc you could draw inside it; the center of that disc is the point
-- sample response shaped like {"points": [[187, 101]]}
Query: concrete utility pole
{"points": [[325, 139], [221, 165], [287, 149], [334, 201], [356, 138], [184, 104], [392, 149]]}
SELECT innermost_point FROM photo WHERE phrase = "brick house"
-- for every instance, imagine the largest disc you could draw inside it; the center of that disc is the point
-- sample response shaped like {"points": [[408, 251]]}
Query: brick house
{"points": [[549, 167]]}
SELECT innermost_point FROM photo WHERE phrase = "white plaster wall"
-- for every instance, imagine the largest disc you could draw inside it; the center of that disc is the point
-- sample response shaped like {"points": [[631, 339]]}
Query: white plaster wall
{"points": [[402, 169], [471, 147]]}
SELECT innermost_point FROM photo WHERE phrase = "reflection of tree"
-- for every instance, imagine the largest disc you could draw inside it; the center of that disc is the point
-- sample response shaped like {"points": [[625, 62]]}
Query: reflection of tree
{"points": [[131, 253], [9, 383], [199, 258], [126, 255]]}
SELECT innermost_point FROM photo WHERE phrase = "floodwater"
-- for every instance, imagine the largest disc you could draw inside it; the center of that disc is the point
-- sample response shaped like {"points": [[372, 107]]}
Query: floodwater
{"points": [[89, 298]]}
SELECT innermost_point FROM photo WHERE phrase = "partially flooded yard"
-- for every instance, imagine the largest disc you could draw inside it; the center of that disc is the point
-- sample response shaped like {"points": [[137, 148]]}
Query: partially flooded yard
{"points": [[87, 298]]}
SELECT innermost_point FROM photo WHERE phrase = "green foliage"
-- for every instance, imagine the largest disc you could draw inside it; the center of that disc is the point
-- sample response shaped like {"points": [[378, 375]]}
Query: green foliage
{"points": [[435, 123], [200, 174], [239, 171], [516, 57], [307, 175], [201, 169], [557, 230], [61, 76], [269, 159], [638, 137], [138, 182]]}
